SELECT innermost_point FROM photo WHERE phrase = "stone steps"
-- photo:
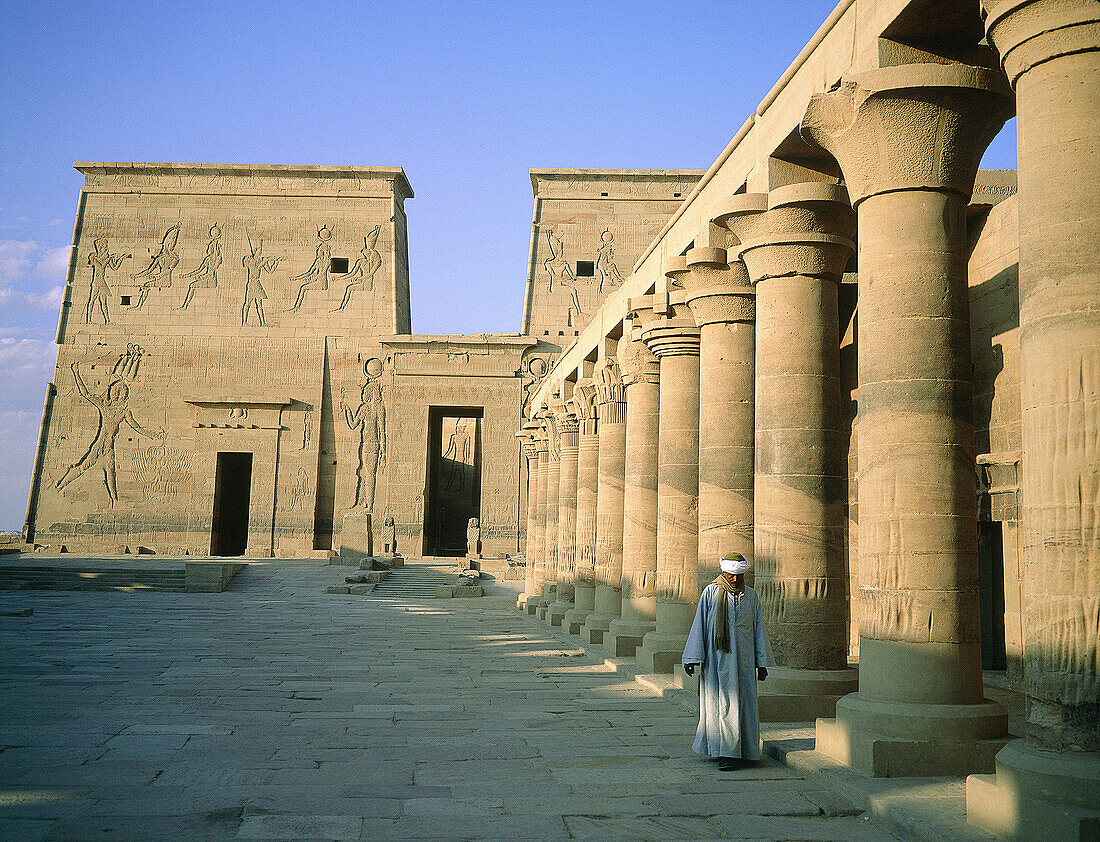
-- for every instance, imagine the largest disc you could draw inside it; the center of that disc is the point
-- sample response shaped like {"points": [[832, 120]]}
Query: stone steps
{"points": [[411, 581], [91, 578]]}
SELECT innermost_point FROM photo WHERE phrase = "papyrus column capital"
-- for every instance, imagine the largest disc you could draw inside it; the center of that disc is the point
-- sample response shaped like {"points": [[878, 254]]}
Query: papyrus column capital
{"points": [[610, 395], [911, 127], [716, 289], [583, 406], [637, 364], [808, 229], [1027, 33], [672, 330]]}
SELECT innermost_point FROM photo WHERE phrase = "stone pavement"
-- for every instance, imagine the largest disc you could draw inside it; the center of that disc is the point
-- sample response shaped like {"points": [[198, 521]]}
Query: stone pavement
{"points": [[275, 711]]}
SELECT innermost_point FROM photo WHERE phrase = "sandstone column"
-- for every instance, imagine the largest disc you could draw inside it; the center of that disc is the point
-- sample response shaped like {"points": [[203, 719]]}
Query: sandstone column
{"points": [[908, 140], [536, 542], [588, 461], [674, 339], [1048, 785], [548, 584], [720, 298], [796, 242], [531, 452], [640, 373], [567, 514], [611, 408]]}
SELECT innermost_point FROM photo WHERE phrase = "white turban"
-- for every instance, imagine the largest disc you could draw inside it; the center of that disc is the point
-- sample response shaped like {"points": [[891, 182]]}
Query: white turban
{"points": [[734, 563]]}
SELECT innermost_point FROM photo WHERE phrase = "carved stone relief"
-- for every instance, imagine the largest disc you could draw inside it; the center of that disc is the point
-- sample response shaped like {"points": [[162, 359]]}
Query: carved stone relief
{"points": [[205, 276], [101, 260], [361, 275], [369, 418], [316, 276], [159, 271], [605, 263], [114, 411], [255, 265]]}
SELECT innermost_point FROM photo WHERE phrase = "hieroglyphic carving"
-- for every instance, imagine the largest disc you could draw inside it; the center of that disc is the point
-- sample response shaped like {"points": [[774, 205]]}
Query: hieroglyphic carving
{"points": [[255, 264], [159, 270], [361, 275], [113, 410], [605, 262], [101, 260], [369, 418], [206, 274], [299, 489], [316, 276], [559, 269], [162, 470], [307, 430], [459, 454]]}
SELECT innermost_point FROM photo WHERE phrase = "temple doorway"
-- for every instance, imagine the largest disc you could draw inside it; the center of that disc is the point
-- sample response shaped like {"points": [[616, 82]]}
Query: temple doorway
{"points": [[991, 593], [454, 478], [232, 493]]}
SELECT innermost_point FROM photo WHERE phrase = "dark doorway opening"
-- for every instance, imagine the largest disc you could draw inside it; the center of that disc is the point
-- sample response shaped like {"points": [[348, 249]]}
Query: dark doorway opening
{"points": [[232, 493], [991, 593], [454, 478]]}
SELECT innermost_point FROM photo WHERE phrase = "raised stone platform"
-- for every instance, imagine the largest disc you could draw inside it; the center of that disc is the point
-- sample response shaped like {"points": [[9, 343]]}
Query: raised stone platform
{"points": [[34, 572]]}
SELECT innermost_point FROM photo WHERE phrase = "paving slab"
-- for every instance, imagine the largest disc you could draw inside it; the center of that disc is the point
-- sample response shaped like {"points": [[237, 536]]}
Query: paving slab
{"points": [[276, 711]]}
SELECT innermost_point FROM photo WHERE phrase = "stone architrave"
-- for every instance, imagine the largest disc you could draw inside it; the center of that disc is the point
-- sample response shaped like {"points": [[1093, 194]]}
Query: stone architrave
{"points": [[567, 513], [1048, 785], [611, 409], [795, 242], [673, 338], [526, 437], [583, 404], [548, 584], [720, 298], [908, 140], [536, 541], [641, 377]]}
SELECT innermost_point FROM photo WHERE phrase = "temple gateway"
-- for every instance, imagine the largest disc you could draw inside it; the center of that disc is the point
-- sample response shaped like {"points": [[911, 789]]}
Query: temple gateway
{"points": [[843, 350]]}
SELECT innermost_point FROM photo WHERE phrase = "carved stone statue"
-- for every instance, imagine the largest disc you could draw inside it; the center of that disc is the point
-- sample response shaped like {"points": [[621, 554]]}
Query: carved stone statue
{"points": [[389, 537], [473, 538]]}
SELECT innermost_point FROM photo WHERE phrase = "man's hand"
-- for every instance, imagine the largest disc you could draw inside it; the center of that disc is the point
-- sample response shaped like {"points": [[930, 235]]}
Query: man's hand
{"points": [[689, 669], [761, 673]]}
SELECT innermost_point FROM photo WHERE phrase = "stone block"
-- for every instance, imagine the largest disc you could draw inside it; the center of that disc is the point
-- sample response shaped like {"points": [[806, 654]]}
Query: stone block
{"points": [[209, 576], [356, 538], [621, 645], [361, 590], [468, 591], [338, 589]]}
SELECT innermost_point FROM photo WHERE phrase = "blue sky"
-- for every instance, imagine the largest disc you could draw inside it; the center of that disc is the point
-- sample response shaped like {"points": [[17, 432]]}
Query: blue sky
{"points": [[466, 96]]}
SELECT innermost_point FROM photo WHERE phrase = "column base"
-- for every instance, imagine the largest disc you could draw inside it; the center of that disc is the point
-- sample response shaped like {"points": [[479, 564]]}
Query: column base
{"points": [[574, 620], [532, 605], [899, 740], [623, 637], [595, 627], [660, 652], [521, 601], [802, 695], [556, 612], [1037, 795]]}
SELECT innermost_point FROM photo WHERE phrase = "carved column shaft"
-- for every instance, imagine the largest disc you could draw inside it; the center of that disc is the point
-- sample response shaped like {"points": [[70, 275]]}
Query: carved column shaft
{"points": [[674, 340], [588, 457], [567, 518], [536, 542], [611, 408], [722, 303], [530, 451], [909, 140], [641, 379], [1049, 785], [795, 242], [547, 584]]}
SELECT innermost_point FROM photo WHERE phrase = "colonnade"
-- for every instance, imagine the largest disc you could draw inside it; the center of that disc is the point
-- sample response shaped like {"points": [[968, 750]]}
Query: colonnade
{"points": [[712, 423]]}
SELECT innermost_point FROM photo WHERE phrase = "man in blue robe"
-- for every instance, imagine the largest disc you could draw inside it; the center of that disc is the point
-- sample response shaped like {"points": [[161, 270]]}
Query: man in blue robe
{"points": [[727, 641]]}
